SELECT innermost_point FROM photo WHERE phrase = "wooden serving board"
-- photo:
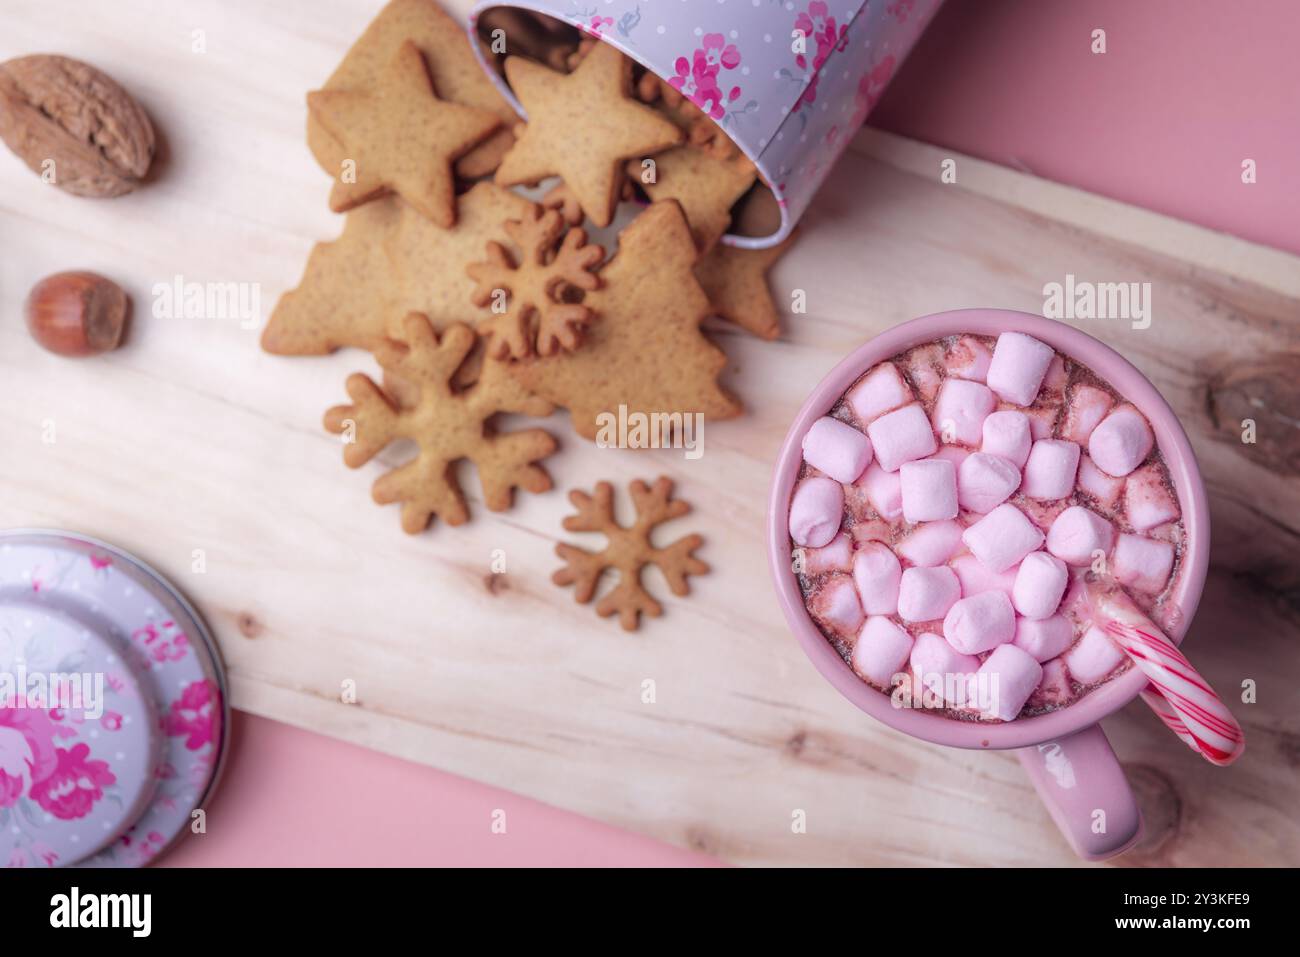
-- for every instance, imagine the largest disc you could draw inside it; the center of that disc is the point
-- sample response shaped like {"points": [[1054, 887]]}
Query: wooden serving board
{"points": [[190, 438]]}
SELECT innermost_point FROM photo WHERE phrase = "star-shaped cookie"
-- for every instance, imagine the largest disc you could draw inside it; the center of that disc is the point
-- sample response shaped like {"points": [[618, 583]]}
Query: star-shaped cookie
{"points": [[456, 74], [706, 186], [402, 138], [582, 126], [735, 281]]}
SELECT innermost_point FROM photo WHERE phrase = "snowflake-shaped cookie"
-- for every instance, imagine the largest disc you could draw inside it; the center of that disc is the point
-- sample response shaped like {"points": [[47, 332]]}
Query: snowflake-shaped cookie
{"points": [[447, 424], [525, 296], [629, 550]]}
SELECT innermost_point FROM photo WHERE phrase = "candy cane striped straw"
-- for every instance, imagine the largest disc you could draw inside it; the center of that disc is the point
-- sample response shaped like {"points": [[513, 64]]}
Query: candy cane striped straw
{"points": [[1165, 711], [1177, 693]]}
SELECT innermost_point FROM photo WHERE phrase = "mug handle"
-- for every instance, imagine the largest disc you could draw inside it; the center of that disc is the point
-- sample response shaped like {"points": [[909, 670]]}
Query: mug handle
{"points": [[1080, 780]]}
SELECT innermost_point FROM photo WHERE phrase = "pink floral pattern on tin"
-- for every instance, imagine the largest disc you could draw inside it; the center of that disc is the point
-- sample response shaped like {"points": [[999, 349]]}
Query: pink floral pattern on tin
{"points": [[161, 642], [109, 780], [698, 76], [27, 752], [193, 717], [78, 781], [871, 86], [64, 782], [596, 24], [818, 27]]}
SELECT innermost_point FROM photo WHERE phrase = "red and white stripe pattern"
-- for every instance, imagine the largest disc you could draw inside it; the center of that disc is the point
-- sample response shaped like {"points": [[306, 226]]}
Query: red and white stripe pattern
{"points": [[1165, 711], [1177, 693]]}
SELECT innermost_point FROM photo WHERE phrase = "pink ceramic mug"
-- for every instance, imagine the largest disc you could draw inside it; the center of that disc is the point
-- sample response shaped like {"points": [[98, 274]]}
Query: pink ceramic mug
{"points": [[1065, 752]]}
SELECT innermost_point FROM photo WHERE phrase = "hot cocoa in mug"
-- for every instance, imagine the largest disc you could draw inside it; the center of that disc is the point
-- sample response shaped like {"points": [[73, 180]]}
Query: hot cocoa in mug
{"points": [[957, 499], [946, 510]]}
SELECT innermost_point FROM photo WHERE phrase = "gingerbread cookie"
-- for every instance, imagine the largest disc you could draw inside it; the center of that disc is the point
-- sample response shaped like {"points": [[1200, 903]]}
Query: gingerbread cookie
{"points": [[562, 199], [757, 214], [592, 102], [649, 88], [628, 551], [446, 424], [457, 77], [390, 260], [705, 186], [432, 263], [645, 351], [700, 130], [343, 296], [735, 280], [573, 58], [527, 287], [704, 134], [401, 138]]}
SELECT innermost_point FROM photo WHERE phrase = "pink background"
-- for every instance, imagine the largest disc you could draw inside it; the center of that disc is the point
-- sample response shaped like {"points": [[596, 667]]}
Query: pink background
{"points": [[1186, 91]]}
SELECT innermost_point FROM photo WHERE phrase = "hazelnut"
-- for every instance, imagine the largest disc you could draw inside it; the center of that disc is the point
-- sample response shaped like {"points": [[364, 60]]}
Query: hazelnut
{"points": [[77, 313]]}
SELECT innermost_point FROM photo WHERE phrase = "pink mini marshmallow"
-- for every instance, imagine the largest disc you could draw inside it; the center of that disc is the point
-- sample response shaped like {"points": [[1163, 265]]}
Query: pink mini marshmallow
{"points": [[884, 490], [1142, 563], [941, 668], [969, 358], [1006, 433], [879, 391], [834, 557], [835, 606], [980, 623], [1002, 537], [975, 578], [816, 510], [985, 481], [1105, 489], [1044, 638], [1018, 366], [1040, 583], [1094, 657], [881, 651], [1147, 499], [926, 594], [903, 435], [1005, 681], [960, 411], [836, 448], [1050, 470], [1088, 406], [1077, 534], [929, 490], [1055, 378], [1053, 690], [1042, 422], [877, 572], [930, 544], [1121, 442]]}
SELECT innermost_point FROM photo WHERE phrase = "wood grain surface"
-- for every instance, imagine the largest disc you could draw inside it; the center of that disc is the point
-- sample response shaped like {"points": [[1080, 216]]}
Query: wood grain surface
{"points": [[191, 438]]}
